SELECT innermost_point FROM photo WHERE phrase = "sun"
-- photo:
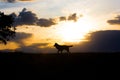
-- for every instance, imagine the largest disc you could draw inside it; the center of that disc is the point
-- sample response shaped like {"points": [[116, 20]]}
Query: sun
{"points": [[75, 31]]}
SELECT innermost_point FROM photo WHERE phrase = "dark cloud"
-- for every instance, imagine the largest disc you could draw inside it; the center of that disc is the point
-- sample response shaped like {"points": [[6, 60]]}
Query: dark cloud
{"points": [[26, 0], [25, 18], [115, 21], [12, 1], [101, 41], [45, 22], [34, 48], [73, 17], [29, 18], [62, 18], [20, 36]]}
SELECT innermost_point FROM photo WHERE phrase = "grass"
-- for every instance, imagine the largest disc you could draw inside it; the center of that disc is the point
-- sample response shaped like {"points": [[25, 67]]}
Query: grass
{"points": [[59, 59], [81, 64]]}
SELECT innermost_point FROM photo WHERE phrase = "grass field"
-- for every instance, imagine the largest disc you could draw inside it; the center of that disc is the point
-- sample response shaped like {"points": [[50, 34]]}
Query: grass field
{"points": [[82, 65]]}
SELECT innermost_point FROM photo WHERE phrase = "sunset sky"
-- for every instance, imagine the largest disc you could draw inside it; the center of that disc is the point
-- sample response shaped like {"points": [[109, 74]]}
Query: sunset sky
{"points": [[43, 22]]}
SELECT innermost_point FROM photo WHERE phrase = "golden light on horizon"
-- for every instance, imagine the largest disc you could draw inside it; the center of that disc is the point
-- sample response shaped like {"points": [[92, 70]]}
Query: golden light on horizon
{"points": [[11, 46], [75, 31], [64, 32]]}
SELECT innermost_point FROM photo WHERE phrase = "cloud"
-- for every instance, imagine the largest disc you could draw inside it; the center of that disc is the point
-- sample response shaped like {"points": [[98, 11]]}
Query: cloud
{"points": [[115, 21], [25, 18], [12, 1], [101, 41], [22, 47], [20, 36], [29, 18], [34, 48], [25, 0], [18, 41], [73, 17], [49, 22], [45, 22], [62, 18]]}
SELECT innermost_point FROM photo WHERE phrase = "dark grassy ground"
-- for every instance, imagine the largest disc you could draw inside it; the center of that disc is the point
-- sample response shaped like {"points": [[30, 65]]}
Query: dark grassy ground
{"points": [[81, 65]]}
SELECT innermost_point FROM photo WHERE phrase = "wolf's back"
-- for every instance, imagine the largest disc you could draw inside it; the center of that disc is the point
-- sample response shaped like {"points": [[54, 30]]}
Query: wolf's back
{"points": [[71, 46]]}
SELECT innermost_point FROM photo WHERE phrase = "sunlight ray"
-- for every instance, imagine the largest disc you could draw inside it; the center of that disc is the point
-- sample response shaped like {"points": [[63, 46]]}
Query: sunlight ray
{"points": [[75, 31]]}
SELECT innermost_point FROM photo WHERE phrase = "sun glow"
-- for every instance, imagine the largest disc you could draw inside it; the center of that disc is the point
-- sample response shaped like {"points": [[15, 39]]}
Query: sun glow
{"points": [[75, 31]]}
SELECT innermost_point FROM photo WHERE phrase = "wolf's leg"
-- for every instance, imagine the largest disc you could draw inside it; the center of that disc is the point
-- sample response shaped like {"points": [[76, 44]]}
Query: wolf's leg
{"points": [[58, 51], [61, 51], [68, 50]]}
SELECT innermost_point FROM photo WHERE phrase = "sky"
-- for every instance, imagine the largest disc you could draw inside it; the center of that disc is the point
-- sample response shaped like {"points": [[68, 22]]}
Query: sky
{"points": [[41, 23]]}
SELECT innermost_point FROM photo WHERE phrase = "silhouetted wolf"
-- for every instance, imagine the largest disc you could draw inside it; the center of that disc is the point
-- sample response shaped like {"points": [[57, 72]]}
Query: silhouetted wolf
{"points": [[62, 47]]}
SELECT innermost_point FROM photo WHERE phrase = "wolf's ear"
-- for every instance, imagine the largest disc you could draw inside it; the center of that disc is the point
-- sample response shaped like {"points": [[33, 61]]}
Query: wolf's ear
{"points": [[55, 43]]}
